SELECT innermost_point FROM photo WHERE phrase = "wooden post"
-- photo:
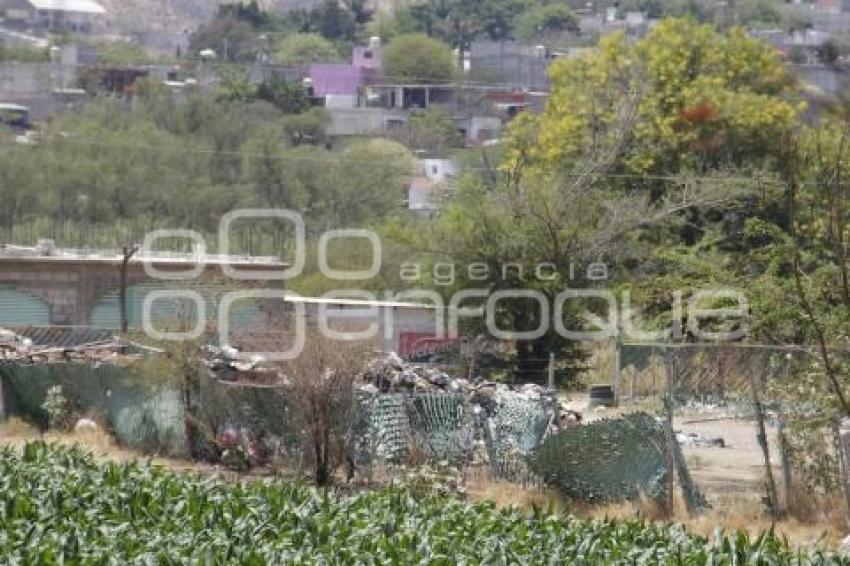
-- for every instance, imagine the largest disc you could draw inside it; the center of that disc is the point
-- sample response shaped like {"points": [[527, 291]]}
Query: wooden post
{"points": [[617, 377], [761, 435], [842, 433], [2, 400], [787, 487], [668, 428], [551, 377]]}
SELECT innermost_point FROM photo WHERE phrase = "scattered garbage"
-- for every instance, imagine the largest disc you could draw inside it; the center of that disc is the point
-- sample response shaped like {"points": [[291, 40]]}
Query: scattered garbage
{"points": [[228, 364], [694, 440], [86, 426]]}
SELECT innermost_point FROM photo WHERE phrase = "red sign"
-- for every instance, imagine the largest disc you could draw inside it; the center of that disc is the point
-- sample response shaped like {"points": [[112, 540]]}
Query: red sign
{"points": [[420, 343]]}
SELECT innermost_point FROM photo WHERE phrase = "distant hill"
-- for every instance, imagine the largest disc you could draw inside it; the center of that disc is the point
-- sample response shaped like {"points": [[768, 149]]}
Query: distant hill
{"points": [[161, 23]]}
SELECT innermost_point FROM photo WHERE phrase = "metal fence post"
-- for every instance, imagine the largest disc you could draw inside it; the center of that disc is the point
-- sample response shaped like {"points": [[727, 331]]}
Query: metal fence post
{"points": [[551, 377]]}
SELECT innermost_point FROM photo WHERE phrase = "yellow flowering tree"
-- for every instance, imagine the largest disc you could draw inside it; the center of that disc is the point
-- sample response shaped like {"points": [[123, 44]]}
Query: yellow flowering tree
{"points": [[701, 100]]}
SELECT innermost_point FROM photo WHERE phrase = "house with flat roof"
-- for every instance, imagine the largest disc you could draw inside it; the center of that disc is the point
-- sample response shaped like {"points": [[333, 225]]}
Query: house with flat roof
{"points": [[60, 15]]}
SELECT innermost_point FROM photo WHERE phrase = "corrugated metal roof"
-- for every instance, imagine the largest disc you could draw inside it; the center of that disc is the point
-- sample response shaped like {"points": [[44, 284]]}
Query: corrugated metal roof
{"points": [[83, 6], [356, 302], [64, 336]]}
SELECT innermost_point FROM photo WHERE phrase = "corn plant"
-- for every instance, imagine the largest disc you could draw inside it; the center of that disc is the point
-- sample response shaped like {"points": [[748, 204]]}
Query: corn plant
{"points": [[60, 506]]}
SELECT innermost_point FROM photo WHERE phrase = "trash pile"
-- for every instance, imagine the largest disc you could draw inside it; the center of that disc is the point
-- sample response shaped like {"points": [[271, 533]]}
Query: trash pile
{"points": [[391, 374], [22, 350]]}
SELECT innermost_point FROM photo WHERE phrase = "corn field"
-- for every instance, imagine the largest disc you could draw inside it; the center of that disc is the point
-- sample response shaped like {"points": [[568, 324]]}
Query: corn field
{"points": [[61, 506]]}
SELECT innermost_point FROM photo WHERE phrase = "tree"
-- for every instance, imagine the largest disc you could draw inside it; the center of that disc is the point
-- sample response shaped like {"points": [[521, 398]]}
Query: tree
{"points": [[232, 39], [289, 98], [541, 21], [304, 48], [307, 127], [333, 21], [758, 12], [417, 58], [432, 131], [559, 218], [248, 12], [323, 402], [585, 181], [704, 100], [458, 23]]}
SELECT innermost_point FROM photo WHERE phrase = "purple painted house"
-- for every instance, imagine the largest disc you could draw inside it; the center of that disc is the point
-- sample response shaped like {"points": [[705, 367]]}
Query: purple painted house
{"points": [[339, 79]]}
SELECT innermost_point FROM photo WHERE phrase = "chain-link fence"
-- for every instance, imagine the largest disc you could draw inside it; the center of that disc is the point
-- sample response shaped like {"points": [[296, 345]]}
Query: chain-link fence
{"points": [[755, 423]]}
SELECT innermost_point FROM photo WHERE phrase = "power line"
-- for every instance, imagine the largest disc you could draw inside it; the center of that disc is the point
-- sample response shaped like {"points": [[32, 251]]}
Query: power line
{"points": [[342, 159], [411, 80]]}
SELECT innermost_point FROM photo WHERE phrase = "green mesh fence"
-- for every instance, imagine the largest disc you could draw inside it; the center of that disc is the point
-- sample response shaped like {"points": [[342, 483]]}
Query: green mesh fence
{"points": [[607, 460], [437, 426], [140, 415], [442, 425], [515, 428], [389, 427]]}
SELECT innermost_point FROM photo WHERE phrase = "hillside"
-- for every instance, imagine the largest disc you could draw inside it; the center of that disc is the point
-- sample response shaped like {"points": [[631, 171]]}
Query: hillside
{"points": [[161, 23]]}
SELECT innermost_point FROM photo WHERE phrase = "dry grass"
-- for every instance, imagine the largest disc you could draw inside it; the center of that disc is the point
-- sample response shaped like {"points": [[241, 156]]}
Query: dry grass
{"points": [[730, 514], [15, 433], [505, 494]]}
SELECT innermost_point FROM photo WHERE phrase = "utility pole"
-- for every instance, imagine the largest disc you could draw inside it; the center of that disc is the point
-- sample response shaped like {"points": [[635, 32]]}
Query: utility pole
{"points": [[128, 253]]}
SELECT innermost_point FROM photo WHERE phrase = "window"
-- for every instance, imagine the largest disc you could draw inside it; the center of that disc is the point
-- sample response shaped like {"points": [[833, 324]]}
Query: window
{"points": [[394, 123], [367, 54]]}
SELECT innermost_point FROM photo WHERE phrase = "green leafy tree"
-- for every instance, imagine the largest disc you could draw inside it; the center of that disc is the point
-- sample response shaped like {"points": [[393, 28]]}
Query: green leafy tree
{"points": [[542, 21], [432, 131], [232, 39], [303, 48], [458, 23], [417, 58], [334, 21], [289, 98], [758, 13]]}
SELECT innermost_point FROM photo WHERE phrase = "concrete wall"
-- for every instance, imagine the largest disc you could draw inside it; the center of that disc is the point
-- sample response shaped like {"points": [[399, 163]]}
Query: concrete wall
{"points": [[510, 63], [362, 121]]}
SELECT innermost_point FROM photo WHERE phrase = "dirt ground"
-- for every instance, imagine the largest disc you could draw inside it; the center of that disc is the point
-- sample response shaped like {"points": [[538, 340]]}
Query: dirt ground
{"points": [[732, 478]]}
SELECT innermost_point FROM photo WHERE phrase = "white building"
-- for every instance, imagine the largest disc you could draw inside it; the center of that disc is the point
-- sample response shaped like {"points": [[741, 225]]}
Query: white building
{"points": [[438, 170], [69, 15]]}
